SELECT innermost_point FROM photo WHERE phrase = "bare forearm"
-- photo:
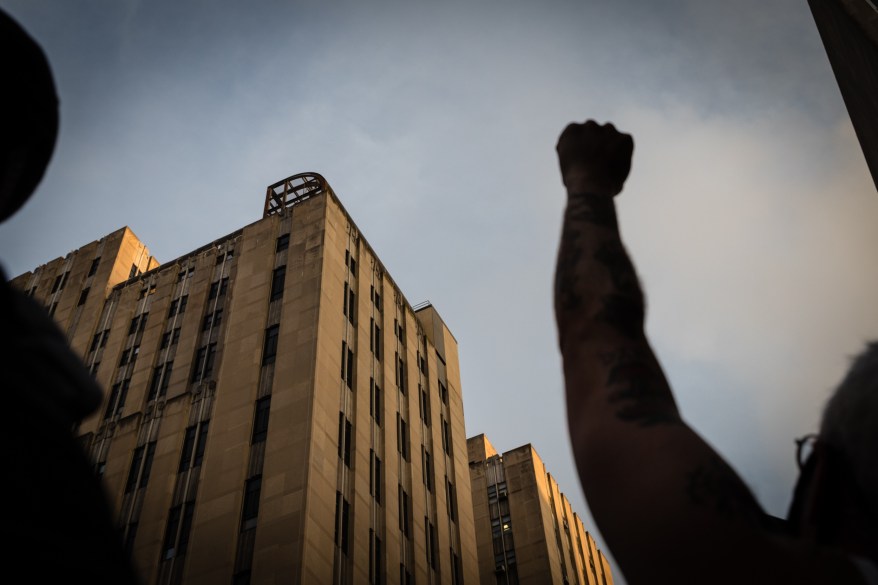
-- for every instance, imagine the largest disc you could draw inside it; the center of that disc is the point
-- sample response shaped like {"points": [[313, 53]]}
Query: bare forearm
{"points": [[600, 311]]}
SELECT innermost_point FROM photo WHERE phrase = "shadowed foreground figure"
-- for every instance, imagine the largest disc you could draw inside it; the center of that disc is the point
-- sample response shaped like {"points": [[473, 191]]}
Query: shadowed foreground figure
{"points": [[670, 508], [59, 528]]}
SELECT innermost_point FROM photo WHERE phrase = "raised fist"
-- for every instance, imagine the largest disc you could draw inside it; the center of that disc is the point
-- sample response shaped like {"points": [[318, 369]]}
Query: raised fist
{"points": [[594, 159]]}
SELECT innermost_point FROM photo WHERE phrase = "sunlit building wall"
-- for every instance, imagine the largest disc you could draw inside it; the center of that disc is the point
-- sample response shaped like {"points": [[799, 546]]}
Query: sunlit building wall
{"points": [[526, 531], [275, 409]]}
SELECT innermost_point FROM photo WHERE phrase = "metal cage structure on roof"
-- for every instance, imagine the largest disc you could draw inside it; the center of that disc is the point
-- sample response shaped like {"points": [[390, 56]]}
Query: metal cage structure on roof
{"points": [[292, 190]]}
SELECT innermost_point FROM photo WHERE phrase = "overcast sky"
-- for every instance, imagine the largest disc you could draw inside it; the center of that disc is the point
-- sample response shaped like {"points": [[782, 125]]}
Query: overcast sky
{"points": [[749, 211]]}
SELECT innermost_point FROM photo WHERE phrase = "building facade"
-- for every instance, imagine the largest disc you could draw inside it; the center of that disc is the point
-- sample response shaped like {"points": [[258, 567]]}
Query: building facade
{"points": [[526, 531], [275, 409]]}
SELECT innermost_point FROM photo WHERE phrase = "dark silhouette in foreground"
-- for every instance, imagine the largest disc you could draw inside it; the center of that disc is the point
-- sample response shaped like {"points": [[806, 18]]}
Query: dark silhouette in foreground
{"points": [[61, 529], [670, 508]]}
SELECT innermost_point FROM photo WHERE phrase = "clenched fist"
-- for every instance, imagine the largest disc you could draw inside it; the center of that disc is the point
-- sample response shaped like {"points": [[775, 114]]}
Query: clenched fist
{"points": [[594, 159]]}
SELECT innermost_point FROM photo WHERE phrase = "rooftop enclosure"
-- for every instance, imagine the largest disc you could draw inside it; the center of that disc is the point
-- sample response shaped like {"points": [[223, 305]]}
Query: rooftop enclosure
{"points": [[292, 190]]}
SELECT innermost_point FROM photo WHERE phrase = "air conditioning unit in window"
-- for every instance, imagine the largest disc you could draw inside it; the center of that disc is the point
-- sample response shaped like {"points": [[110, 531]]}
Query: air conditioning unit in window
{"points": [[503, 493], [501, 568]]}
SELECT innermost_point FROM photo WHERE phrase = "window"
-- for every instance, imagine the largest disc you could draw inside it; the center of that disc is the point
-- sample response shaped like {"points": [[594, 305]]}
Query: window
{"points": [[260, 419], [194, 443], [161, 378], [375, 339], [350, 262], [134, 271], [178, 305], [177, 532], [94, 266], [212, 320], [446, 436], [379, 479], [443, 392], [375, 404], [201, 443], [344, 439], [424, 403], [404, 522], [171, 532], [376, 298], [143, 319], [170, 337], [219, 288], [431, 538], [111, 403], [188, 448], [141, 465], [133, 327], [251, 502], [422, 364], [57, 284], [283, 242], [277, 283], [347, 364], [181, 275], [93, 370], [400, 373], [349, 300], [342, 522], [399, 330], [156, 382], [204, 362], [269, 348], [450, 499], [402, 437], [95, 341], [124, 359], [427, 465], [82, 296]]}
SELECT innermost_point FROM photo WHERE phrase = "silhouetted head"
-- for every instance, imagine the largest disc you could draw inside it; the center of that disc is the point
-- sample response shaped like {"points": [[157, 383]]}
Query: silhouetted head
{"points": [[836, 499], [28, 115]]}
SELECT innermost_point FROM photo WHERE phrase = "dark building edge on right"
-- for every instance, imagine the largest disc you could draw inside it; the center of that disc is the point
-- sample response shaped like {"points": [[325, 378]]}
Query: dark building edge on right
{"points": [[849, 31]]}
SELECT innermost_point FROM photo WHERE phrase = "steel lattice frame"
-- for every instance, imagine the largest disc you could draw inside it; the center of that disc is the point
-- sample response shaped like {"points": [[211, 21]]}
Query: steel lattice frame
{"points": [[292, 190]]}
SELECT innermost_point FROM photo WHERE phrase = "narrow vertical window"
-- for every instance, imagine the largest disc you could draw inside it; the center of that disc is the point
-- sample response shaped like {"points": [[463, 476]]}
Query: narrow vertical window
{"points": [[188, 448], [277, 282], [147, 464], [82, 296], [402, 437], [283, 242], [201, 443], [260, 419], [250, 511], [269, 349], [94, 266]]}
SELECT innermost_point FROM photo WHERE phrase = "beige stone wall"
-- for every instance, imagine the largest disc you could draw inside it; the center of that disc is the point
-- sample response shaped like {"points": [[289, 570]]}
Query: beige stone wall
{"points": [[295, 535], [550, 543]]}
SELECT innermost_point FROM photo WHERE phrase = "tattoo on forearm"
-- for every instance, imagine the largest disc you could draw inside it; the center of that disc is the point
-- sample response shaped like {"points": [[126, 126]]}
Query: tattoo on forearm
{"points": [[612, 254], [597, 209], [567, 294], [637, 389], [716, 485]]}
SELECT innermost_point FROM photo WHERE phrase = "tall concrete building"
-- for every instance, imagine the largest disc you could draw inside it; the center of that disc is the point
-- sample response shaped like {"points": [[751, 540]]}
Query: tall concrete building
{"points": [[526, 531], [276, 410]]}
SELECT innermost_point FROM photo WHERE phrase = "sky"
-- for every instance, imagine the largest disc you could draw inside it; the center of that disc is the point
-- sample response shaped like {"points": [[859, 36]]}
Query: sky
{"points": [[749, 211]]}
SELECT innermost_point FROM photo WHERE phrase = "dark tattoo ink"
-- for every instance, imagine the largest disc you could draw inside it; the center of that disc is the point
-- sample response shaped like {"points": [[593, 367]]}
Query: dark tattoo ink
{"points": [[638, 390], [596, 209], [714, 484], [567, 294], [624, 313]]}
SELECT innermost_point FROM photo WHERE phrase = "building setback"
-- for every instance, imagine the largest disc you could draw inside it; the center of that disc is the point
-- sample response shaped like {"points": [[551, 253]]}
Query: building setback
{"points": [[526, 531], [275, 409]]}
